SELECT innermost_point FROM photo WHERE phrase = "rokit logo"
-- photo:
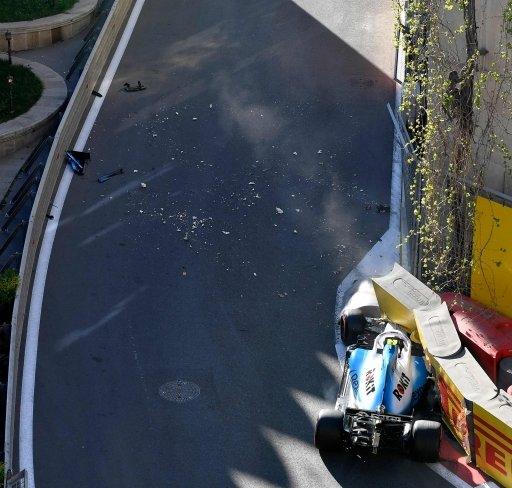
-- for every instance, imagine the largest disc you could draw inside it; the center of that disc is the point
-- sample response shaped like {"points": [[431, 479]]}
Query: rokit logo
{"points": [[402, 385], [369, 381]]}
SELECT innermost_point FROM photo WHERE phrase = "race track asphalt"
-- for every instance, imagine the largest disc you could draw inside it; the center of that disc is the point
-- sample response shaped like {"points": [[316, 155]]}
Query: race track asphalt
{"points": [[253, 163]]}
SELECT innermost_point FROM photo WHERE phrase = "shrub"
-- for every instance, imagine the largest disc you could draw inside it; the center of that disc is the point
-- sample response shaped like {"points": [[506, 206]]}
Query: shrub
{"points": [[9, 280]]}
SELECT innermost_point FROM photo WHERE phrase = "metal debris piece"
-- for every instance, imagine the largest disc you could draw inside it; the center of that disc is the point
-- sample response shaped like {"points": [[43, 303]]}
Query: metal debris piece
{"points": [[77, 160], [383, 208], [183, 271], [106, 177], [379, 207], [143, 185], [129, 88], [279, 210]]}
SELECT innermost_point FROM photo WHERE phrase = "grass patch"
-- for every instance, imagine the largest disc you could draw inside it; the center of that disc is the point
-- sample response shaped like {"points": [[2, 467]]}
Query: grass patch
{"points": [[16, 10], [9, 280], [26, 90]]}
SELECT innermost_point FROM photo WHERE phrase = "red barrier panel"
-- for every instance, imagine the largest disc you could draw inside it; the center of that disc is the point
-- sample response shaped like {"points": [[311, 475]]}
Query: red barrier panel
{"points": [[486, 333]]}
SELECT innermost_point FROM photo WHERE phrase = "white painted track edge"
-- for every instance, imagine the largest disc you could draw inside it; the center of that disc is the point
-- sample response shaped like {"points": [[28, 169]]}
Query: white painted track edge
{"points": [[36, 301]]}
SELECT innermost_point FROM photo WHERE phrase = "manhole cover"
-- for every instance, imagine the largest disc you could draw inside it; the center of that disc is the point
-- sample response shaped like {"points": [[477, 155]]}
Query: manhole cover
{"points": [[179, 391]]}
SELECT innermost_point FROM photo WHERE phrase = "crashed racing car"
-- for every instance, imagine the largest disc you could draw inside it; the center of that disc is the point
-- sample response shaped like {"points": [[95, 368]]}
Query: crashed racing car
{"points": [[387, 401]]}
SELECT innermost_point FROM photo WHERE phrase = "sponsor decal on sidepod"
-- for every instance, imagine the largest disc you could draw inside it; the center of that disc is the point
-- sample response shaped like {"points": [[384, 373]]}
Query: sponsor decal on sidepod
{"points": [[387, 375]]}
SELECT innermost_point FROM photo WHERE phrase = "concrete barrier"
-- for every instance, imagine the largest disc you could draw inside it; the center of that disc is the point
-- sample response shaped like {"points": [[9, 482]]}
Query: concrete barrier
{"points": [[399, 293], [64, 139]]}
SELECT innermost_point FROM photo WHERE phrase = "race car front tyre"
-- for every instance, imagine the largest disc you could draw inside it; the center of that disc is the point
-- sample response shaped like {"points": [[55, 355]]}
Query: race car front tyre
{"points": [[426, 439], [329, 433]]}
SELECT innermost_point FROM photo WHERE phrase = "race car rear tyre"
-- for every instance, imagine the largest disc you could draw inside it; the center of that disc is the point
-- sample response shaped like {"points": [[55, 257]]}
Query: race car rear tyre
{"points": [[426, 439], [354, 324], [329, 433]]}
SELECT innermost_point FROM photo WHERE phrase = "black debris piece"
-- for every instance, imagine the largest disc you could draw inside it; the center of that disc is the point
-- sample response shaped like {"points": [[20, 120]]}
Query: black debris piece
{"points": [[97, 94], [379, 207], [77, 160], [106, 177], [383, 208], [130, 88]]}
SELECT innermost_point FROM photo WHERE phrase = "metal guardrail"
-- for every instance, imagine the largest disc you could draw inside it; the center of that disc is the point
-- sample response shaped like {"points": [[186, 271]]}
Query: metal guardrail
{"points": [[32, 178], [81, 56], [18, 480], [408, 223], [5, 244], [13, 258], [41, 150], [17, 202]]}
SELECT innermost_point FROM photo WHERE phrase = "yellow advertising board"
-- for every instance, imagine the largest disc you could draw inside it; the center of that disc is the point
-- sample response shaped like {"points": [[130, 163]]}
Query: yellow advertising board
{"points": [[454, 409], [491, 276], [493, 439]]}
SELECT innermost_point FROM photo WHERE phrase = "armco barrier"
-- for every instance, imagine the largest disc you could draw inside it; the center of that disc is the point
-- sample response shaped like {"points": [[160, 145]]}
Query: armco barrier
{"points": [[64, 138]]}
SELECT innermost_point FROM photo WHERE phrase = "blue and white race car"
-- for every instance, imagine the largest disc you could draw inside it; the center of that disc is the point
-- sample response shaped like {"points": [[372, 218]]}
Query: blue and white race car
{"points": [[386, 400]]}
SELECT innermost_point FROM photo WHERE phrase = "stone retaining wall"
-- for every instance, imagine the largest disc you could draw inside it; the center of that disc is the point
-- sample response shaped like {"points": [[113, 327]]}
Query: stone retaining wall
{"points": [[30, 126], [42, 32]]}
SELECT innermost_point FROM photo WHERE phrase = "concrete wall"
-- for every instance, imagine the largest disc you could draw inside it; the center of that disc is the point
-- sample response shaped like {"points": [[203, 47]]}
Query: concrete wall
{"points": [[489, 16]]}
